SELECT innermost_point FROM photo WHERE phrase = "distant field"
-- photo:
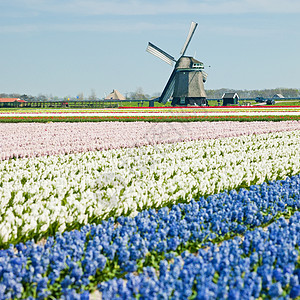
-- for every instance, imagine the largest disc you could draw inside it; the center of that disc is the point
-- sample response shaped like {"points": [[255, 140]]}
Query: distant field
{"points": [[210, 103], [288, 103], [168, 114], [145, 104]]}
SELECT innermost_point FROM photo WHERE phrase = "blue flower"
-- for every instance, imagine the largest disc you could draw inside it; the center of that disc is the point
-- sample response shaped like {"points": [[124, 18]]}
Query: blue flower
{"points": [[42, 284], [70, 294], [134, 253], [76, 273], [85, 296], [67, 281], [173, 243], [234, 294], [277, 274], [161, 246], [163, 268], [294, 280], [124, 256], [170, 255], [295, 292], [275, 290], [130, 266]]}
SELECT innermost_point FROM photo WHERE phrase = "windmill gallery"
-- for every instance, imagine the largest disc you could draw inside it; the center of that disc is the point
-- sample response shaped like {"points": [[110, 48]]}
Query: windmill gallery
{"points": [[186, 83]]}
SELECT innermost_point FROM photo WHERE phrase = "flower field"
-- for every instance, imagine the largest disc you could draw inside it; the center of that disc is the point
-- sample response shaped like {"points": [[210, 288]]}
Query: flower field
{"points": [[197, 210], [35, 139], [160, 110], [154, 114]]}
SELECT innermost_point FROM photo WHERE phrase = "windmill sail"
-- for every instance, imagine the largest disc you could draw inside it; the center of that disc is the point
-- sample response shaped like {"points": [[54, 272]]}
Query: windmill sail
{"points": [[189, 37], [160, 54], [168, 90], [204, 74]]}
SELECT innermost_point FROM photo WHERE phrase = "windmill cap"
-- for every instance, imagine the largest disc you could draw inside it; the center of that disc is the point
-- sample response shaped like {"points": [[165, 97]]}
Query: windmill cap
{"points": [[185, 62]]}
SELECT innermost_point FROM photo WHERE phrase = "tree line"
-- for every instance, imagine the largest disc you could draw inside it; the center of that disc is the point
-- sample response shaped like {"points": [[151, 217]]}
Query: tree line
{"points": [[139, 94], [266, 93]]}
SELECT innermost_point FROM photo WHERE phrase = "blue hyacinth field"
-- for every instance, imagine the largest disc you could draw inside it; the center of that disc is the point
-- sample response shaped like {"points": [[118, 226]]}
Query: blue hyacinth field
{"points": [[206, 217]]}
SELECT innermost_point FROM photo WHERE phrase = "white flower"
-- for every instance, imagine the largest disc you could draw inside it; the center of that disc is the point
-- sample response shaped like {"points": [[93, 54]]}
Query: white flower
{"points": [[73, 188]]}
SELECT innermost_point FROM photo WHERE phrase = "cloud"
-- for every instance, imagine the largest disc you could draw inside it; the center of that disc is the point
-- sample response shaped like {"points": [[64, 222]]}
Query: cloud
{"points": [[18, 28], [91, 27], [147, 7], [115, 15]]}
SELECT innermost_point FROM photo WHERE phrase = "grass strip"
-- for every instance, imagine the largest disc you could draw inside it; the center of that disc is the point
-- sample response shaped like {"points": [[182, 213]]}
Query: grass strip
{"points": [[46, 119]]}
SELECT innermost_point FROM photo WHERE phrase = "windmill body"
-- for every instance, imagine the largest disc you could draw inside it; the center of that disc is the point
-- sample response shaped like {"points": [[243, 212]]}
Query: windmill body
{"points": [[186, 83]]}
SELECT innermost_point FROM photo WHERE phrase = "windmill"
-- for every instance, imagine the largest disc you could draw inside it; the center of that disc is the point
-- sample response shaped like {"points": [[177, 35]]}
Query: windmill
{"points": [[186, 83]]}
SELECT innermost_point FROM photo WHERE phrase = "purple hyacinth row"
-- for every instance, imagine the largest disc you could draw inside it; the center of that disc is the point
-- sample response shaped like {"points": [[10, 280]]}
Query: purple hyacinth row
{"points": [[67, 265]]}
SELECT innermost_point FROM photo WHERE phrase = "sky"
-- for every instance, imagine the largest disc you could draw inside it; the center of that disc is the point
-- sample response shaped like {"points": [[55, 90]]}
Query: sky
{"points": [[67, 47]]}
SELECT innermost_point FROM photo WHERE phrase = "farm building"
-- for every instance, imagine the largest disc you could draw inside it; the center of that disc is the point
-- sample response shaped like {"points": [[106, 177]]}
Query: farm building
{"points": [[10, 102], [230, 98], [115, 95], [278, 96]]}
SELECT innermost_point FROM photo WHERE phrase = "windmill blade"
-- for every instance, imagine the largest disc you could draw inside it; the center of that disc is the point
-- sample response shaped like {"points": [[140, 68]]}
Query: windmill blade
{"points": [[189, 37], [168, 90], [160, 54], [204, 75]]}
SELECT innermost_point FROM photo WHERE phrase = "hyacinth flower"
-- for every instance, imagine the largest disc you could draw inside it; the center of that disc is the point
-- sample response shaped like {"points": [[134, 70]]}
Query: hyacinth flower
{"points": [[63, 138], [73, 261], [49, 194], [226, 271]]}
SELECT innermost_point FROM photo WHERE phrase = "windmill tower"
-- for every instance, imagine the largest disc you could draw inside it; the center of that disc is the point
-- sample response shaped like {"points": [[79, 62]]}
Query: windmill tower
{"points": [[186, 83]]}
